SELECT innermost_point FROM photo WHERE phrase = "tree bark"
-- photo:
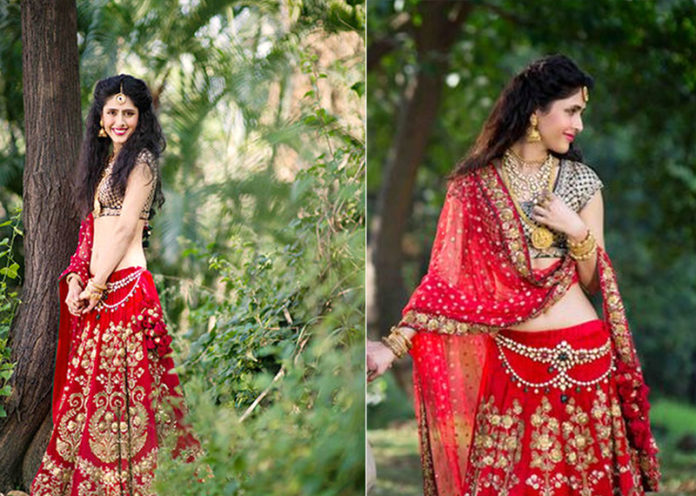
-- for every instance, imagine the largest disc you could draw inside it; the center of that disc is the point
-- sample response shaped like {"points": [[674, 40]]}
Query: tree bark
{"points": [[53, 128], [441, 23]]}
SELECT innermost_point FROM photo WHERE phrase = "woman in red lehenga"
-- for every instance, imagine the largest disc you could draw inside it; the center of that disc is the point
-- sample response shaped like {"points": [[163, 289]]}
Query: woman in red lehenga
{"points": [[520, 388], [115, 393]]}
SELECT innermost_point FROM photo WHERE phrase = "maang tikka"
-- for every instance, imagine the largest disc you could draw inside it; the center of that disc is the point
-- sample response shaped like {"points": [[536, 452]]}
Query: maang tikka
{"points": [[120, 97]]}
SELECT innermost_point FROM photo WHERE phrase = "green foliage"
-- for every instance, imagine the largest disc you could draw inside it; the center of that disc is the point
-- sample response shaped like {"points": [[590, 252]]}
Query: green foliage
{"points": [[271, 336], [8, 302], [285, 326]]}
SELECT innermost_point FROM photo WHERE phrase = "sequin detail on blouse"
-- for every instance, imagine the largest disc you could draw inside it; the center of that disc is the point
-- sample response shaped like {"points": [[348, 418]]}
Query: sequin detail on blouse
{"points": [[575, 184], [108, 201]]}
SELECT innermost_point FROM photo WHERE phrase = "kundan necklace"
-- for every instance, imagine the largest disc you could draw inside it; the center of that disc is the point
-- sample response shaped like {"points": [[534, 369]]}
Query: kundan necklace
{"points": [[532, 186], [526, 186]]}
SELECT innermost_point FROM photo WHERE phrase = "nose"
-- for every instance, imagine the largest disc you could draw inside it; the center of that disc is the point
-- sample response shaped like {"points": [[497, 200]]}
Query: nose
{"points": [[578, 122]]}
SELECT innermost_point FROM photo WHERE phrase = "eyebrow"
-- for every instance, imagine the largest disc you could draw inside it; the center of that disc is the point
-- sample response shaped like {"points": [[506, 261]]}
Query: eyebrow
{"points": [[574, 107], [120, 108]]}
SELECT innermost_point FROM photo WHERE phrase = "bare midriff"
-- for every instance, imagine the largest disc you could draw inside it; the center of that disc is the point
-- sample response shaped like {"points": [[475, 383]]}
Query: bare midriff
{"points": [[104, 229], [572, 309]]}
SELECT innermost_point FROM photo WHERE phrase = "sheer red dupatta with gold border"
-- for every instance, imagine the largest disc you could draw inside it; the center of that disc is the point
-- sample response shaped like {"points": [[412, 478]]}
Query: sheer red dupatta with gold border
{"points": [[79, 264], [479, 280]]}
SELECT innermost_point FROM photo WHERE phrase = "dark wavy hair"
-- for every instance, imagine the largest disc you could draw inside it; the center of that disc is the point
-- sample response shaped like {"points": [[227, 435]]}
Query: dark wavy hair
{"points": [[95, 151], [550, 78]]}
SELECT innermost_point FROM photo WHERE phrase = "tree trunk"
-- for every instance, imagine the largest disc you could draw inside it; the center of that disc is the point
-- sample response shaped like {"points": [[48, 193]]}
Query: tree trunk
{"points": [[53, 128], [441, 23]]}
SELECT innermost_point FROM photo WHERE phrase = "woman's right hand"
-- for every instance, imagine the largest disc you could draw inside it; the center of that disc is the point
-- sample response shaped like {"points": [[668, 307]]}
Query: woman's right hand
{"points": [[379, 358], [75, 305]]}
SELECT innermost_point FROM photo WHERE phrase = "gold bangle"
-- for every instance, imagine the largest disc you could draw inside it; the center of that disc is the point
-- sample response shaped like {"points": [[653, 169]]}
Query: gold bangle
{"points": [[582, 245], [95, 291], [584, 256], [72, 276], [397, 342], [388, 343], [583, 249], [396, 331], [97, 286], [396, 347]]}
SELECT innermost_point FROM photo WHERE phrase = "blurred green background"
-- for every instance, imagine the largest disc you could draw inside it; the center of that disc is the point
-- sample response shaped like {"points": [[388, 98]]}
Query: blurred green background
{"points": [[258, 252], [434, 71]]}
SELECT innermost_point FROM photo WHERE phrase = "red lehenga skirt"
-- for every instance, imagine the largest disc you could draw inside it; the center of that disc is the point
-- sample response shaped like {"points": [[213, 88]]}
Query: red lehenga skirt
{"points": [[547, 419], [119, 397]]}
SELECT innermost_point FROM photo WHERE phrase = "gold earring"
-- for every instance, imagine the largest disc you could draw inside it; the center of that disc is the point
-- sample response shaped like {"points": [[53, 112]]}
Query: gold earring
{"points": [[532, 132], [102, 132]]}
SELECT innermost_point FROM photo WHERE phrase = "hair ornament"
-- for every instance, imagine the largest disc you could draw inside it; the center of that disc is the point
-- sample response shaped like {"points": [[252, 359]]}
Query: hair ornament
{"points": [[120, 97], [585, 94]]}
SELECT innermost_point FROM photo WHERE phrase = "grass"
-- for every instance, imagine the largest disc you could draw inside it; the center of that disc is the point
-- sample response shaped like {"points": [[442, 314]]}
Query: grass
{"points": [[398, 463], [395, 447]]}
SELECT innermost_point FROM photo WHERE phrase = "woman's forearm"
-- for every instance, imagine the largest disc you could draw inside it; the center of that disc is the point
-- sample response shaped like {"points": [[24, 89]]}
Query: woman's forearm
{"points": [[587, 273], [587, 268]]}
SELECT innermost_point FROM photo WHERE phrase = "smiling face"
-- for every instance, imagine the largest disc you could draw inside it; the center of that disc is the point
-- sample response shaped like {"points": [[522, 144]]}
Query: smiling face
{"points": [[119, 120], [562, 123]]}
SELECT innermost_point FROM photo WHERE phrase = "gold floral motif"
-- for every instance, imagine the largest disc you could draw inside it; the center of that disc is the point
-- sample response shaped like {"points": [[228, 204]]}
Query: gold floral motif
{"points": [[496, 448], [138, 478], [578, 446], [582, 440], [545, 445], [70, 427], [504, 209], [118, 427], [444, 325]]}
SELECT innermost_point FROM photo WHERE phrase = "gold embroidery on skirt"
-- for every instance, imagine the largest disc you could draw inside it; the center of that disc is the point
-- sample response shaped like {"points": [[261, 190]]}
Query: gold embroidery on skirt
{"points": [[118, 426], [579, 450], [546, 448], [497, 444], [579, 441]]}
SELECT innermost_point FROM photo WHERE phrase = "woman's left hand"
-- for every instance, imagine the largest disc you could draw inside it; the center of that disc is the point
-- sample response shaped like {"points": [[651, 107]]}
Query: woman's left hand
{"points": [[552, 212]]}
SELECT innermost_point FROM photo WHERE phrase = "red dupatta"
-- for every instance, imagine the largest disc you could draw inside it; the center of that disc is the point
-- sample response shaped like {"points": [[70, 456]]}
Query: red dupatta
{"points": [[480, 280], [79, 264]]}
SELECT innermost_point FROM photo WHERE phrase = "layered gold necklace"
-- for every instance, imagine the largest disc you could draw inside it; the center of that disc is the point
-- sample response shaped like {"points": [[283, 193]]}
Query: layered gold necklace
{"points": [[532, 187]]}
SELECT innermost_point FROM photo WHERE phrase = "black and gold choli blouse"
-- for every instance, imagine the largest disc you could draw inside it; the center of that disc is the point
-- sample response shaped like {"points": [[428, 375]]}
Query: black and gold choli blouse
{"points": [[575, 184], [108, 200]]}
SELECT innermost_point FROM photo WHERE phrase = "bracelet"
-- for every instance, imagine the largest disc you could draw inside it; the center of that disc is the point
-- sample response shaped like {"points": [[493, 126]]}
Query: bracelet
{"points": [[583, 249], [97, 286], [585, 256], [395, 346], [582, 245], [398, 332], [397, 342], [96, 291], [72, 276]]}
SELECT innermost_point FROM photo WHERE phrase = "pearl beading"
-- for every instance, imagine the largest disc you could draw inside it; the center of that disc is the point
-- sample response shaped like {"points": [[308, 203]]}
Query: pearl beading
{"points": [[113, 286], [527, 186], [135, 276], [561, 358]]}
